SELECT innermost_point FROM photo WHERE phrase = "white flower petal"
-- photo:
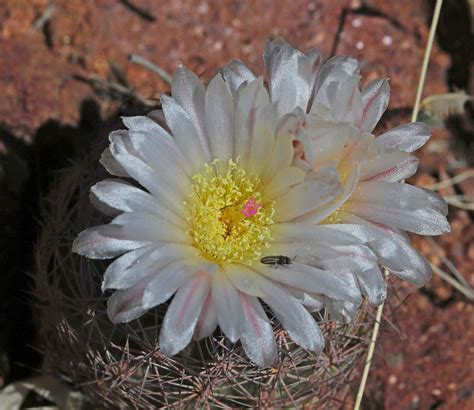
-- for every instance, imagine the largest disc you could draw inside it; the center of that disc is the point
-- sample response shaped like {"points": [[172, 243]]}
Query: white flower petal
{"points": [[420, 221], [282, 154], [282, 182], [341, 310], [313, 280], [241, 277], [228, 307], [400, 205], [189, 91], [282, 62], [336, 69], [120, 143], [163, 163], [132, 267], [436, 201], [108, 161], [325, 210], [105, 242], [288, 94], [334, 143], [263, 139], [407, 137], [219, 111], [308, 195], [168, 280], [185, 133], [182, 314], [207, 321], [142, 124], [154, 183], [141, 226], [159, 117], [401, 234], [297, 321], [372, 285], [346, 104], [113, 276], [252, 97], [126, 305], [402, 260], [270, 53], [102, 207], [363, 264], [392, 167], [123, 197], [305, 252], [392, 252], [310, 65], [399, 195], [236, 74], [159, 150], [375, 98], [311, 301], [301, 232], [307, 142], [257, 338]]}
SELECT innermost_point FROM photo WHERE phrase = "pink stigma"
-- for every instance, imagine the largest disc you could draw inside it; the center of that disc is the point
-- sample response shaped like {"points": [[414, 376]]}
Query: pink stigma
{"points": [[250, 208]]}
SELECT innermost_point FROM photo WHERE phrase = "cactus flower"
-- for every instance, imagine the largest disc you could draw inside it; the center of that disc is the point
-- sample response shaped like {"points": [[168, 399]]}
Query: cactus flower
{"points": [[226, 178], [199, 202], [335, 124]]}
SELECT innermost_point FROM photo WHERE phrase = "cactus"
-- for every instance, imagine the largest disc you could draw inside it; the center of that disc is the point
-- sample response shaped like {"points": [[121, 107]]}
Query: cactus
{"points": [[120, 366]]}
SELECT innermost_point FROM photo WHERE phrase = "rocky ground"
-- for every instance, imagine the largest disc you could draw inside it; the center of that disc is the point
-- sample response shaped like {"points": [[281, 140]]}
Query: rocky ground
{"points": [[65, 76]]}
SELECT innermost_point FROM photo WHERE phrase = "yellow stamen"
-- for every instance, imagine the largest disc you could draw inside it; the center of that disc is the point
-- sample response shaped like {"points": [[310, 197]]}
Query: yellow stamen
{"points": [[217, 225], [334, 218]]}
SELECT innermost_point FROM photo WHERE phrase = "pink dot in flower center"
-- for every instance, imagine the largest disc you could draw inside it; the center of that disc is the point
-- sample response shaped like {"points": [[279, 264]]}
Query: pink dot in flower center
{"points": [[250, 208]]}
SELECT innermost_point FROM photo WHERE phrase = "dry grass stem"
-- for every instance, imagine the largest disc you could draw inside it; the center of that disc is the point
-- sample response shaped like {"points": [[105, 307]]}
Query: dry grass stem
{"points": [[152, 67], [452, 181], [466, 291]]}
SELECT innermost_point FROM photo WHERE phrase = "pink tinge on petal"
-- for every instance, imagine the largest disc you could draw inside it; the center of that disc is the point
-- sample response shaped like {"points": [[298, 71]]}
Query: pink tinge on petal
{"points": [[250, 208], [250, 315], [299, 150], [408, 164], [196, 285], [207, 321]]}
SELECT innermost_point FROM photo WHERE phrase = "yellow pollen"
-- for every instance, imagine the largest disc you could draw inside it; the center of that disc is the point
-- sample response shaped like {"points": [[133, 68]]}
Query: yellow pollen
{"points": [[217, 225], [334, 218], [344, 172]]}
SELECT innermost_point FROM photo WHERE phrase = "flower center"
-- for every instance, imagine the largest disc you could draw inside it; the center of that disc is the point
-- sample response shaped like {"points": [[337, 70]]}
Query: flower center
{"points": [[229, 222]]}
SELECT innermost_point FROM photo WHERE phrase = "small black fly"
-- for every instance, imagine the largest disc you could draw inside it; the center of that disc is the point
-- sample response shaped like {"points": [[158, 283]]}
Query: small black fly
{"points": [[277, 260]]}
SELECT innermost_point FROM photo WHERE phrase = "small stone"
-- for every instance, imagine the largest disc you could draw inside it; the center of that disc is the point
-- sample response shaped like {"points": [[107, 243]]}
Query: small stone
{"points": [[387, 41], [357, 22]]}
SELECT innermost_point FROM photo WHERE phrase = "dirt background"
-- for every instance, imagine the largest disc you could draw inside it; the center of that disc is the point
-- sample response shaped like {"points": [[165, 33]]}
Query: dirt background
{"points": [[65, 78]]}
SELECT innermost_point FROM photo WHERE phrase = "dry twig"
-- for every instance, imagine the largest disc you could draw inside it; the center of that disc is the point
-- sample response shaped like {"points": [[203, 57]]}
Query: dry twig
{"points": [[152, 67], [45, 16]]}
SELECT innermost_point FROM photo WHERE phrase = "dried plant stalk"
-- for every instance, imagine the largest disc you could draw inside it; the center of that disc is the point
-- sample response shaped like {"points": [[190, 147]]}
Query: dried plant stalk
{"points": [[121, 365]]}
